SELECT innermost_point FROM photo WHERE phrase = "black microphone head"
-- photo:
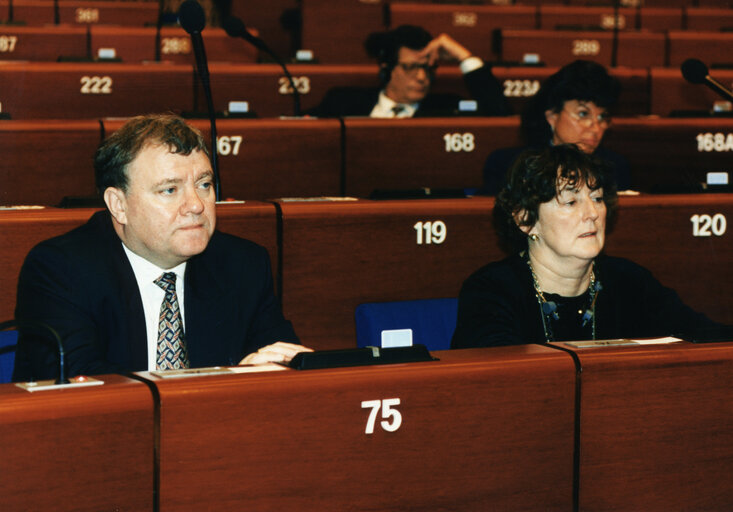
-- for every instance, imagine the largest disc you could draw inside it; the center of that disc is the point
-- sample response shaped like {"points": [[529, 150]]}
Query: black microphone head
{"points": [[234, 27], [191, 16], [694, 71]]}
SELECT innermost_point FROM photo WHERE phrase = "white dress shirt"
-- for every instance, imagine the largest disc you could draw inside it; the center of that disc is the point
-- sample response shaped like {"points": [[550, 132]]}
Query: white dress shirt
{"points": [[152, 297]]}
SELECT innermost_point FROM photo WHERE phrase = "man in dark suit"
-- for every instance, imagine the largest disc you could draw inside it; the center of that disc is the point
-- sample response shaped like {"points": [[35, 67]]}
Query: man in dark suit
{"points": [[407, 58], [105, 287]]}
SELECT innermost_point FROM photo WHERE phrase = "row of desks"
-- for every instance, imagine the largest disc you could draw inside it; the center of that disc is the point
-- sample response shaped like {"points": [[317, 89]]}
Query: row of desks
{"points": [[510, 428], [331, 256], [90, 90], [473, 25], [272, 158]]}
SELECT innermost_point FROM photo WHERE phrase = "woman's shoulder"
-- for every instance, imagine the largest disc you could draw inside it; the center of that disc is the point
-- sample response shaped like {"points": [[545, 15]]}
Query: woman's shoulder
{"points": [[497, 273]]}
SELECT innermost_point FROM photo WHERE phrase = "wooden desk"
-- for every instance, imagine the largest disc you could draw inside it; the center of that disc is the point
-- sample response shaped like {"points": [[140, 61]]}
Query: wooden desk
{"points": [[85, 449], [46, 43], [658, 233], [30, 12], [698, 18], [656, 428], [337, 255], [477, 427], [267, 158], [64, 90], [47, 160], [558, 47], [131, 13], [710, 47], [137, 44], [335, 31], [414, 153], [21, 230], [672, 155], [670, 91], [472, 25]]}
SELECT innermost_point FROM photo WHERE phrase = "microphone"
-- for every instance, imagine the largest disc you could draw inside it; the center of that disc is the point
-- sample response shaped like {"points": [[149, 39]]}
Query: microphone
{"points": [[40, 326], [56, 13], [696, 72], [158, 27], [234, 27], [192, 18]]}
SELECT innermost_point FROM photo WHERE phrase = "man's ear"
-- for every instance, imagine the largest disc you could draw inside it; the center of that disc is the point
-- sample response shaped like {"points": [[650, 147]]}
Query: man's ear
{"points": [[116, 202], [519, 218]]}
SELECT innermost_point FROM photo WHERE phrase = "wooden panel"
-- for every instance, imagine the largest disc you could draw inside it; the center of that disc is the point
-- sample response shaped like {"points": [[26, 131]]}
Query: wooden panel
{"points": [[108, 13], [670, 91], [274, 20], [557, 48], [471, 25], [274, 158], [21, 230], [85, 449], [710, 47], [269, 94], [289, 440], [133, 44], [588, 18], [672, 155], [657, 232], [708, 19], [47, 160], [335, 31], [90, 90], [29, 12], [656, 428], [338, 255], [47, 43], [414, 153]]}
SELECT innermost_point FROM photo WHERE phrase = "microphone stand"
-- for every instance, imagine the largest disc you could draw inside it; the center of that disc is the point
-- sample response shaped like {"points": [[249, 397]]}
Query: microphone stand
{"points": [[62, 379], [614, 44]]}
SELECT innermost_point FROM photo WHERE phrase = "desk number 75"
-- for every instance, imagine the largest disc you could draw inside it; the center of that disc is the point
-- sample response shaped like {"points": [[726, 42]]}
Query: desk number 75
{"points": [[392, 418]]}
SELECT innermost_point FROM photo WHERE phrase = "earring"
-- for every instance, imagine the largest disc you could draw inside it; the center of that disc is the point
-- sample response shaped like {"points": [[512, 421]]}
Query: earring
{"points": [[534, 237]]}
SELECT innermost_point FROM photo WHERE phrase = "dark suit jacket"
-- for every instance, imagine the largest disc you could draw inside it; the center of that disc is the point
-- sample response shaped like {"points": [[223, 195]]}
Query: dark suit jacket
{"points": [[82, 285], [359, 101]]}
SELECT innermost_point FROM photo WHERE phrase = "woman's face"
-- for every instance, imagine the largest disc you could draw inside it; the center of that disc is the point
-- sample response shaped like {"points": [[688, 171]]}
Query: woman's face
{"points": [[579, 122], [572, 226]]}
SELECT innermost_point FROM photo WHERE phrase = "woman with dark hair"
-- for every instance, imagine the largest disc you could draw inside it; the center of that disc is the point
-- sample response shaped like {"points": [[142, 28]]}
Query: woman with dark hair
{"points": [[572, 107], [553, 211]]}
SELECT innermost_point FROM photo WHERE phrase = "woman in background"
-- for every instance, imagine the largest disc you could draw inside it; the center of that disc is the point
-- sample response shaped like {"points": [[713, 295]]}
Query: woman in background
{"points": [[572, 107], [558, 285]]}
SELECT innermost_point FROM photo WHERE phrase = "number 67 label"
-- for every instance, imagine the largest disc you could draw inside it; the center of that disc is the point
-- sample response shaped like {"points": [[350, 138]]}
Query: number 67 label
{"points": [[392, 419]]}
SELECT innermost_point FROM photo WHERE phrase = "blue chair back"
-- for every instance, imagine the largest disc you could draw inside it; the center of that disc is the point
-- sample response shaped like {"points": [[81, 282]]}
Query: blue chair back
{"points": [[8, 340], [432, 321]]}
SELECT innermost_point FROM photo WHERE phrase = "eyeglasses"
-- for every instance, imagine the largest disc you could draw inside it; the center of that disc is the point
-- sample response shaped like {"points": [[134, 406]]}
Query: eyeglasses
{"points": [[584, 117], [411, 67]]}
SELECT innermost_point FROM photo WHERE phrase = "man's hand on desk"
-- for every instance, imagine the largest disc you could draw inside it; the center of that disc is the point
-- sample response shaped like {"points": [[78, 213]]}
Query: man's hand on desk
{"points": [[279, 352]]}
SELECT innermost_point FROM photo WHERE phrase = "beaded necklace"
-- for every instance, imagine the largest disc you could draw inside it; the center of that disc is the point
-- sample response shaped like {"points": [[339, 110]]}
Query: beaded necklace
{"points": [[548, 309]]}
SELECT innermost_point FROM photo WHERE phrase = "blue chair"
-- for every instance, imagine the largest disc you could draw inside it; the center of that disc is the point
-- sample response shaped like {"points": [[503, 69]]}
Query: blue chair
{"points": [[432, 321], [8, 340]]}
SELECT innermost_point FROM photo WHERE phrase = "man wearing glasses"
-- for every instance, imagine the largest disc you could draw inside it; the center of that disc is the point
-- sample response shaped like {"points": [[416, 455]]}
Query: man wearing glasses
{"points": [[407, 58]]}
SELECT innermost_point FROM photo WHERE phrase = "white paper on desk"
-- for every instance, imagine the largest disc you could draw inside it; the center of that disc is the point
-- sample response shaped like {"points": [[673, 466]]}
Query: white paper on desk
{"points": [[658, 341]]}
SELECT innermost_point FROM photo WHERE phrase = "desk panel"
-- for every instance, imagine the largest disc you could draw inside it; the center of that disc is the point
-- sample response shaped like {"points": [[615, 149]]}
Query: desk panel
{"points": [[672, 155], [266, 158], [47, 160], [656, 428], [338, 255], [557, 47], [82, 449], [414, 153], [137, 44], [336, 31], [46, 43], [670, 91], [710, 47], [132, 13], [658, 232], [708, 18], [470, 435], [471, 25], [29, 12], [52, 90]]}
